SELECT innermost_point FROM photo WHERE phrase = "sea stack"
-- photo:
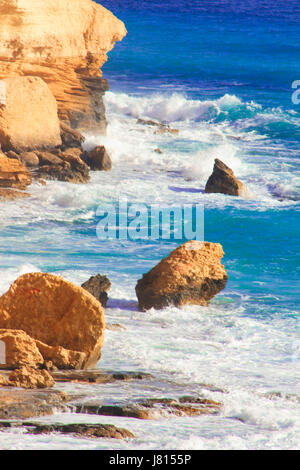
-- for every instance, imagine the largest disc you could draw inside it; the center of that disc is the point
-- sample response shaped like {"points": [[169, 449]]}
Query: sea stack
{"points": [[191, 275], [223, 180]]}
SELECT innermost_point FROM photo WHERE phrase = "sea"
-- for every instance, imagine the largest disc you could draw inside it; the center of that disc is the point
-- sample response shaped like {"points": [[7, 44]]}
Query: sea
{"points": [[224, 73]]}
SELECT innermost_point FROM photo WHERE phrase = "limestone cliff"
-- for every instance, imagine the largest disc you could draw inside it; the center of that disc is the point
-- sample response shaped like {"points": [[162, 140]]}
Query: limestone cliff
{"points": [[64, 42]]}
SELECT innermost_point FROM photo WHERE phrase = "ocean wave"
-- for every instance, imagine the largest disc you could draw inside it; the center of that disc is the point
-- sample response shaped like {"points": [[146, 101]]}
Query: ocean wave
{"points": [[176, 107]]}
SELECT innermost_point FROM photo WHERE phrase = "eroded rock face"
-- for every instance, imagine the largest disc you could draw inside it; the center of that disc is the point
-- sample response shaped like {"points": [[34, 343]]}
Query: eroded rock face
{"points": [[27, 377], [63, 166], [28, 117], [20, 350], [60, 357], [65, 43], [13, 174], [55, 312], [223, 180], [192, 274]]}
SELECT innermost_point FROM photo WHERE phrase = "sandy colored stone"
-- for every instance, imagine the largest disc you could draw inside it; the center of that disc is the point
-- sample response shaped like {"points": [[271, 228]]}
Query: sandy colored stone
{"points": [[26, 377], [192, 274], [28, 119], [12, 195], [223, 180], [4, 382], [55, 312], [24, 404], [60, 357], [20, 350], [29, 159], [13, 174], [65, 43]]}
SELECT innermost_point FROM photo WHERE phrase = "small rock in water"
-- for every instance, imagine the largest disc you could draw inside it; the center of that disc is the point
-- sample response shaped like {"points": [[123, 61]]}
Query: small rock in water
{"points": [[98, 286], [98, 159], [223, 180]]}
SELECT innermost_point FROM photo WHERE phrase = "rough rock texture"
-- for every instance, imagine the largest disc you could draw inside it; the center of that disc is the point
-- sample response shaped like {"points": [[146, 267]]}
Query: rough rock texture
{"points": [[20, 350], [98, 286], [98, 159], [29, 159], [55, 312], [12, 195], [65, 43], [153, 408], [222, 180], [28, 118], [4, 382], [26, 377], [13, 174], [107, 431], [60, 357], [63, 166], [70, 138], [191, 274], [24, 404]]}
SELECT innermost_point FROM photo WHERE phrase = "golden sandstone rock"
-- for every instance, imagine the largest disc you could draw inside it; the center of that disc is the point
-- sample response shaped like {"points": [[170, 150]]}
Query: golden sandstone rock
{"points": [[57, 313], [65, 43], [28, 117], [13, 174], [192, 274], [20, 350], [27, 377]]}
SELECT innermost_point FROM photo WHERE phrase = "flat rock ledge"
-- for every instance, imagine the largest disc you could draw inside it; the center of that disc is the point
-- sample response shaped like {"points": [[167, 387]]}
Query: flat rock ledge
{"points": [[94, 431], [153, 408]]}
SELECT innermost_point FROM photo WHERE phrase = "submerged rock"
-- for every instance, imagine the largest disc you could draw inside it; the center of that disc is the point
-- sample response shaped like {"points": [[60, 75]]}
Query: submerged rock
{"points": [[223, 180], [94, 431], [24, 404], [98, 286], [153, 408], [98, 159], [55, 312], [192, 274]]}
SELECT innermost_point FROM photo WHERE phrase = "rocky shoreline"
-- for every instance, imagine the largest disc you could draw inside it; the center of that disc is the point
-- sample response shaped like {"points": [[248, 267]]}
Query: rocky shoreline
{"points": [[52, 331]]}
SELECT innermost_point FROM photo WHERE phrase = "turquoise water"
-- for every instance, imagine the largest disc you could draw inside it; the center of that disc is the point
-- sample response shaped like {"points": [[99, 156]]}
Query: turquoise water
{"points": [[220, 72]]}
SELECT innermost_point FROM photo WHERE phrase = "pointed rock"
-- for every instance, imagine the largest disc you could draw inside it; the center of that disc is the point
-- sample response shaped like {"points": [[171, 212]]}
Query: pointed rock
{"points": [[223, 180]]}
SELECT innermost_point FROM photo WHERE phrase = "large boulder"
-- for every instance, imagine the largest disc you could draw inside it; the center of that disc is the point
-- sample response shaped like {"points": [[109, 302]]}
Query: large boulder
{"points": [[13, 174], [192, 274], [223, 180], [55, 312], [28, 118]]}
